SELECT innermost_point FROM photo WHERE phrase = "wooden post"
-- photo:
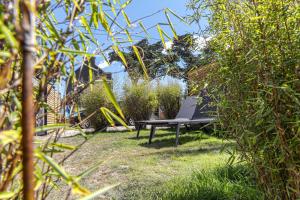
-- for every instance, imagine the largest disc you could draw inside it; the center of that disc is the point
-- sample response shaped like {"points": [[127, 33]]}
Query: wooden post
{"points": [[27, 35]]}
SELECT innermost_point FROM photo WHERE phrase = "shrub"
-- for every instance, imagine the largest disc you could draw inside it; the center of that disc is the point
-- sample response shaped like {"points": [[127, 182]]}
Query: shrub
{"points": [[139, 101], [257, 50], [169, 99], [93, 100]]}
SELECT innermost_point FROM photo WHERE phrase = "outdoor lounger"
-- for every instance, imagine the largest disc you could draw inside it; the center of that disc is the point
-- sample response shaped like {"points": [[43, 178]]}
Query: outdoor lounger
{"points": [[191, 112]]}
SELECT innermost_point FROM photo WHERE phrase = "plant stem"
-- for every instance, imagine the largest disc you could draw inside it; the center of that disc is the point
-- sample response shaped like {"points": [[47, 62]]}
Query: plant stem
{"points": [[28, 120]]}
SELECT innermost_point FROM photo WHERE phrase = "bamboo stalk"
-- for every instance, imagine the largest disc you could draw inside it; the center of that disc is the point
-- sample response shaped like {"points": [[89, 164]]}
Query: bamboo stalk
{"points": [[28, 120]]}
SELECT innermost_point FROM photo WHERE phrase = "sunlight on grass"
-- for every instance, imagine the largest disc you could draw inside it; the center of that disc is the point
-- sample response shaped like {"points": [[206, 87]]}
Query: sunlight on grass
{"points": [[140, 166]]}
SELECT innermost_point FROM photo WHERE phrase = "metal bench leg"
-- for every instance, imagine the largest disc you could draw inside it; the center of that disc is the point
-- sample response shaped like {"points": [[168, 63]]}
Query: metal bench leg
{"points": [[152, 132], [138, 130], [177, 134]]}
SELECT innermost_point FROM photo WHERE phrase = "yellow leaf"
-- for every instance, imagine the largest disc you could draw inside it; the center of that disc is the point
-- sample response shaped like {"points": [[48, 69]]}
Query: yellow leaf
{"points": [[136, 51]]}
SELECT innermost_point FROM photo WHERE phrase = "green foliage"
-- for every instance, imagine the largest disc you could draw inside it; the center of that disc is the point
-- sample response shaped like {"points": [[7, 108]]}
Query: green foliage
{"points": [[224, 183], [175, 61], [258, 50], [93, 100], [65, 34], [169, 99], [139, 101]]}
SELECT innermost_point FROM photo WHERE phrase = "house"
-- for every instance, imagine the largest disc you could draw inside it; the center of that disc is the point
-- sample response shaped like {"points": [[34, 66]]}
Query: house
{"points": [[83, 76]]}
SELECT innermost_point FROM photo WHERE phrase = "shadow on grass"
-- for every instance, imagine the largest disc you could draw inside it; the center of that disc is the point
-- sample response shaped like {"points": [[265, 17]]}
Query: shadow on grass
{"points": [[158, 142], [189, 152], [141, 137]]}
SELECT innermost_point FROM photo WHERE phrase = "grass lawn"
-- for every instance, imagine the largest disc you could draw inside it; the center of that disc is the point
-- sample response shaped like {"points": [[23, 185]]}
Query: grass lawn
{"points": [[140, 168]]}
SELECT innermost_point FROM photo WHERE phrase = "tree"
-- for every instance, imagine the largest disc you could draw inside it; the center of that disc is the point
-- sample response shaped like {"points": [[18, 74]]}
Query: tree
{"points": [[183, 54]]}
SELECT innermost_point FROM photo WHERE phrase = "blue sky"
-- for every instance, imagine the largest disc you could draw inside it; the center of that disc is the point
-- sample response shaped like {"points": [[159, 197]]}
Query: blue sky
{"points": [[141, 8], [135, 10]]}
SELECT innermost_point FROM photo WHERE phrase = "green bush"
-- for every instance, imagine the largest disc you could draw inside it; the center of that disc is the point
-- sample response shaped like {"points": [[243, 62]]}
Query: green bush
{"points": [[93, 100], [169, 99], [257, 49], [139, 101]]}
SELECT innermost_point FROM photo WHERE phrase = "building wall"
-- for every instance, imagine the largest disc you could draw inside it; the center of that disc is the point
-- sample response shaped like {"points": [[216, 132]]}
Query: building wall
{"points": [[54, 101]]}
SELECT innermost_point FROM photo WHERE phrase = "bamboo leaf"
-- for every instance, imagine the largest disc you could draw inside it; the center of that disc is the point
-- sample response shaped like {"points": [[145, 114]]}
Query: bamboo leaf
{"points": [[108, 117], [50, 127], [120, 54], [111, 115], [124, 5], [95, 19], [112, 98], [76, 5], [114, 21], [137, 53], [8, 35], [51, 27], [90, 76], [143, 27], [177, 16], [54, 166], [76, 52], [6, 195], [63, 146], [161, 36], [99, 192], [103, 22], [89, 170], [171, 25], [128, 36], [9, 136], [126, 18], [88, 28]]}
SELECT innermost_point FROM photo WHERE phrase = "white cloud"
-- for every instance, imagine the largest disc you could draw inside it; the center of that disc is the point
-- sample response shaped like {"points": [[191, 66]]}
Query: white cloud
{"points": [[169, 44], [103, 65], [201, 41]]}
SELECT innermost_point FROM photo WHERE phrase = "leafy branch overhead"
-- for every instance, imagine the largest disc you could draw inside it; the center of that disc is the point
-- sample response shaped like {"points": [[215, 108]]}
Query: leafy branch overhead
{"points": [[176, 60]]}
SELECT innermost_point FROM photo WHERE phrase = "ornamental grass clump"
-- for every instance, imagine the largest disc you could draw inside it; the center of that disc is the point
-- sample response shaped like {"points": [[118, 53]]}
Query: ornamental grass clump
{"points": [[91, 101], [169, 96], [139, 101]]}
